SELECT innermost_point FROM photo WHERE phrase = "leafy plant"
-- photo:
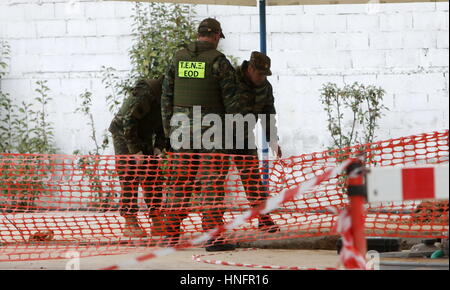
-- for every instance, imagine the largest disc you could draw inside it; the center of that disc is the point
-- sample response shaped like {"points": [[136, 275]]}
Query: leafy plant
{"points": [[23, 130], [5, 55], [118, 88], [30, 132], [90, 164], [6, 107], [21, 125], [7, 110], [159, 30], [352, 113], [44, 135], [86, 109]]}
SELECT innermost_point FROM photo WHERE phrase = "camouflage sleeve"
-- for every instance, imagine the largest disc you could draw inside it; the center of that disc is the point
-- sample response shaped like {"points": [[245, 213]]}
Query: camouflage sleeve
{"points": [[167, 98], [137, 107], [269, 101], [269, 111], [160, 137], [224, 72], [237, 103]]}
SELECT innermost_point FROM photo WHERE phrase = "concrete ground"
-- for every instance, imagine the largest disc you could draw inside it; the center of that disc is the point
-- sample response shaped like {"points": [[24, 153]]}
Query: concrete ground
{"points": [[182, 260], [290, 248]]}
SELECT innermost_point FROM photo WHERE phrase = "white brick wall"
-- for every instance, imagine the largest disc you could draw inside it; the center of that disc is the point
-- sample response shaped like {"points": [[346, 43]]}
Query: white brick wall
{"points": [[330, 23], [396, 22], [368, 59], [50, 28], [363, 22], [400, 47], [386, 40], [352, 41], [302, 23], [81, 27]]}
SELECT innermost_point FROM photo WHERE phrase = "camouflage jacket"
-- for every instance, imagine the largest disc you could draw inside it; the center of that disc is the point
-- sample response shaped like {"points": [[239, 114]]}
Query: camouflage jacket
{"points": [[252, 100], [223, 71], [139, 118]]}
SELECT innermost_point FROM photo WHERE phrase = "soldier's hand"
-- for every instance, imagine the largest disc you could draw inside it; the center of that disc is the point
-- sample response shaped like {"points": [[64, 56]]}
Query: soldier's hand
{"points": [[276, 150], [279, 153]]}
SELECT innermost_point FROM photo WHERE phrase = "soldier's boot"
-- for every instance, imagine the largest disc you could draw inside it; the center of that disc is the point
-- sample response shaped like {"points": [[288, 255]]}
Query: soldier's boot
{"points": [[158, 227], [266, 224], [170, 240], [218, 244], [132, 228], [210, 221], [173, 232]]}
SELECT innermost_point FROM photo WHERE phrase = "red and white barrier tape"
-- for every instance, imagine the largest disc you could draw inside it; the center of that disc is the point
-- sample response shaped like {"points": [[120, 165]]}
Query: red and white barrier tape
{"points": [[198, 258], [270, 204], [419, 182]]}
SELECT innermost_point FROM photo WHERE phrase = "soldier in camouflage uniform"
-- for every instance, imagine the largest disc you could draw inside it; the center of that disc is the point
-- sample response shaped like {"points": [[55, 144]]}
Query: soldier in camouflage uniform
{"points": [[137, 130], [254, 96], [199, 75]]}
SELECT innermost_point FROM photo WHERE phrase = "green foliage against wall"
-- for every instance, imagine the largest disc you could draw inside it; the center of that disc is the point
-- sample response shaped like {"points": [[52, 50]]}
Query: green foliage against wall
{"points": [[24, 128], [159, 30], [353, 113]]}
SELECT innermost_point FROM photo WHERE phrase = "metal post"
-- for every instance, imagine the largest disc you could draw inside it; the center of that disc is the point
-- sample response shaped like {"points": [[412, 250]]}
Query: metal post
{"points": [[263, 49], [262, 26]]}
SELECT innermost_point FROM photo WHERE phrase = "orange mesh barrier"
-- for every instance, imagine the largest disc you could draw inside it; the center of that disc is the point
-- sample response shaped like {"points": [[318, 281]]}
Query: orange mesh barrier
{"points": [[52, 204]]}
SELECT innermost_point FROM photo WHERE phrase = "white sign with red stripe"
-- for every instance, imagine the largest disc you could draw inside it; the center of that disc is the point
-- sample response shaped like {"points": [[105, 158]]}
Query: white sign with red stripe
{"points": [[408, 183]]}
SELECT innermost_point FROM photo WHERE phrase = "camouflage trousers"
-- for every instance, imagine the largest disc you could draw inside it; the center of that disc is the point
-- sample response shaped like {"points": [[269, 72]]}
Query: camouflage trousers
{"points": [[193, 172], [197, 176], [247, 164], [132, 176]]}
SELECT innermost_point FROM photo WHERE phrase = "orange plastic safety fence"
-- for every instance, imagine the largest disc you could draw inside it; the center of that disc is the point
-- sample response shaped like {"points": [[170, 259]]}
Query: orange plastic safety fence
{"points": [[100, 205]]}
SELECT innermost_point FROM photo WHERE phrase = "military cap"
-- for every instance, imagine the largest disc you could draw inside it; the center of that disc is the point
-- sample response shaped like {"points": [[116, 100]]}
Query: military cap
{"points": [[261, 62], [210, 25]]}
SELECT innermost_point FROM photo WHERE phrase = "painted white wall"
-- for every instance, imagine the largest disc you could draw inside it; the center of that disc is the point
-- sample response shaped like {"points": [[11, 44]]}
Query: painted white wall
{"points": [[400, 47]]}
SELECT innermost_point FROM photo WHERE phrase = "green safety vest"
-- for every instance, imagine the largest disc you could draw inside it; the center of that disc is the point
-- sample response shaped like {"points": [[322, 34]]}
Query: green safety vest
{"points": [[195, 84]]}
